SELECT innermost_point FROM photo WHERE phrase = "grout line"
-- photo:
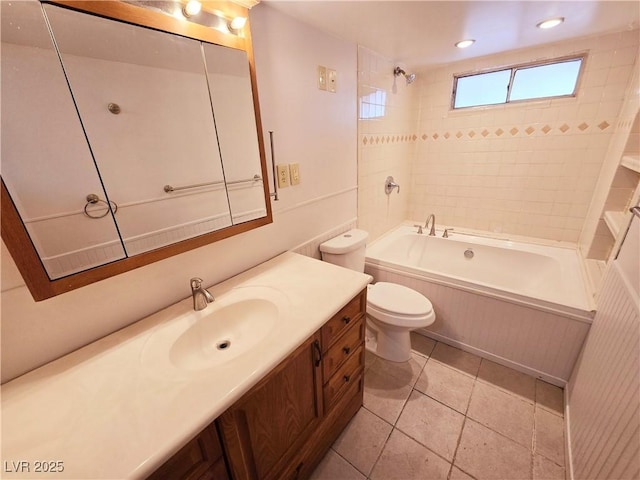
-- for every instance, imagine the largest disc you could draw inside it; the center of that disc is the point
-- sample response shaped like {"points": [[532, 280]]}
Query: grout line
{"points": [[476, 379], [464, 422], [354, 467]]}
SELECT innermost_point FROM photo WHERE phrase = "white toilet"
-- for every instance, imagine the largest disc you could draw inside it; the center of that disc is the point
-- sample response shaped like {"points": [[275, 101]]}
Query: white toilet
{"points": [[392, 310]]}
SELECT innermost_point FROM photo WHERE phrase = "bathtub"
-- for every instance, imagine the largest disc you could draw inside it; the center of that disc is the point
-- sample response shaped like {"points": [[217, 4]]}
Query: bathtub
{"points": [[519, 304]]}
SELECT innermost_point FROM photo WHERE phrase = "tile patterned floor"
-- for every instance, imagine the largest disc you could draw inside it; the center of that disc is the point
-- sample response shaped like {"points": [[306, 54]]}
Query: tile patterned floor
{"points": [[448, 414]]}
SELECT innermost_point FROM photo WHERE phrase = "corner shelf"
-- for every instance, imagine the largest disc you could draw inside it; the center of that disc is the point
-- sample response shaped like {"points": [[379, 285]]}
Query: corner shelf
{"points": [[615, 221], [632, 162]]}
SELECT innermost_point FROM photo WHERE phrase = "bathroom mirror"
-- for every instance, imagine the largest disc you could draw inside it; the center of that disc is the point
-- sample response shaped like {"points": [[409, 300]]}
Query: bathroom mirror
{"points": [[125, 145]]}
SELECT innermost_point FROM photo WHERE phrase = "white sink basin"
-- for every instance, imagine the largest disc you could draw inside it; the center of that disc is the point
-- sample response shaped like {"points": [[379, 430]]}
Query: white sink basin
{"points": [[238, 324], [224, 334]]}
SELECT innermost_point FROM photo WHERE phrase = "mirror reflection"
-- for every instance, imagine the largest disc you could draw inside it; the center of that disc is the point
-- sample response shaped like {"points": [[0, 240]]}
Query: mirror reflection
{"points": [[46, 161], [230, 88], [132, 140], [161, 133]]}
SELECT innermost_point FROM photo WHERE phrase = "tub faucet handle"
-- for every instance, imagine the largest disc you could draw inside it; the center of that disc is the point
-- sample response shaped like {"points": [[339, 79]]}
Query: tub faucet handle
{"points": [[390, 184], [446, 232], [419, 228]]}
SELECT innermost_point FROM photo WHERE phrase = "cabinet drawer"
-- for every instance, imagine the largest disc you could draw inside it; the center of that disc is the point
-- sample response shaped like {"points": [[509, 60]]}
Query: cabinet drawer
{"points": [[349, 372], [342, 348], [343, 319]]}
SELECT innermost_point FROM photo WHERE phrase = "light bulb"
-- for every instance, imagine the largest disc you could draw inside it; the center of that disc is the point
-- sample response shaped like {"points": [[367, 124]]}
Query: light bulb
{"points": [[192, 8], [238, 23]]}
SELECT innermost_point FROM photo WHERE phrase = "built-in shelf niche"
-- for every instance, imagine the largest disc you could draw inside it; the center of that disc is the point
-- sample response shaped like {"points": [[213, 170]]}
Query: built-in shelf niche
{"points": [[624, 192]]}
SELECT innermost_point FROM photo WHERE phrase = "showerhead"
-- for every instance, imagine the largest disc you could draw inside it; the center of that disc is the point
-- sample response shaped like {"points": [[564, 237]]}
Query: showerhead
{"points": [[408, 77]]}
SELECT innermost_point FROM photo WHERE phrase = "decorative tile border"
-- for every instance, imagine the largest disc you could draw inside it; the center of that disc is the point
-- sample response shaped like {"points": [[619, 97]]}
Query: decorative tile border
{"points": [[483, 133], [371, 140]]}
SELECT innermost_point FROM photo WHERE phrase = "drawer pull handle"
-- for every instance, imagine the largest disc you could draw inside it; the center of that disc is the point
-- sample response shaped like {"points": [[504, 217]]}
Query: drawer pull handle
{"points": [[346, 350], [318, 352], [346, 320], [347, 378]]}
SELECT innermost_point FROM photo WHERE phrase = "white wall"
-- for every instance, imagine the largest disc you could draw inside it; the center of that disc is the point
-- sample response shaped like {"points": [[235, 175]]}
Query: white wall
{"points": [[613, 188], [314, 128], [603, 394], [388, 117], [528, 168]]}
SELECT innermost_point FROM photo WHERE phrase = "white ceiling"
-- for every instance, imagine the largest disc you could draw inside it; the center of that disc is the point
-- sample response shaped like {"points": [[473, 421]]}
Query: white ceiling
{"points": [[418, 34]]}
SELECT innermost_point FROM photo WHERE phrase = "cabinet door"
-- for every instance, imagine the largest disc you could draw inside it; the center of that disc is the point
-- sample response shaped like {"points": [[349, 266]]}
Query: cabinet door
{"points": [[200, 459], [264, 430]]}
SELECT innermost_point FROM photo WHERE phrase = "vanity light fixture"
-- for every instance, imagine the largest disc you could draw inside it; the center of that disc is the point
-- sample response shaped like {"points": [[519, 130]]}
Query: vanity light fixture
{"points": [[465, 43], [550, 23], [237, 23], [192, 8]]}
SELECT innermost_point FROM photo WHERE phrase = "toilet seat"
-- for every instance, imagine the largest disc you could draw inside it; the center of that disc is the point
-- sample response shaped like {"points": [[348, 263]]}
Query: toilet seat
{"points": [[399, 306]]}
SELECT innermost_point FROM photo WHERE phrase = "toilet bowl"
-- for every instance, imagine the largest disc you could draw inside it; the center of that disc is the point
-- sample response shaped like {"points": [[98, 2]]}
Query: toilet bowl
{"points": [[392, 310]]}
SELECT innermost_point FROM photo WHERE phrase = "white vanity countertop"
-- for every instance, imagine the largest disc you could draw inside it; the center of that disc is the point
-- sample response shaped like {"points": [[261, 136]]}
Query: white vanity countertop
{"points": [[105, 411]]}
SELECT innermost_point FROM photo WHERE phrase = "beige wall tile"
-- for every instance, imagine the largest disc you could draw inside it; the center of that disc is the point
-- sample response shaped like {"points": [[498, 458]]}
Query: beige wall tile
{"points": [[565, 134]]}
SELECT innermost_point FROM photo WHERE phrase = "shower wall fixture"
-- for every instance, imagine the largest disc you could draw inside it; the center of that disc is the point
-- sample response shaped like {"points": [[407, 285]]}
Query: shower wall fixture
{"points": [[409, 77]]}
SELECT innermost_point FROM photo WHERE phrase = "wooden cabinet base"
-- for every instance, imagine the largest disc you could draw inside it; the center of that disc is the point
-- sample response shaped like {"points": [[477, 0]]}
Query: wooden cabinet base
{"points": [[200, 459], [320, 442]]}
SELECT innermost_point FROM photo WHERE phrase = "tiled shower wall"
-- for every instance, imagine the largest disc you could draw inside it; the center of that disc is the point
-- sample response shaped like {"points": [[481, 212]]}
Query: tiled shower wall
{"points": [[529, 168], [388, 117]]}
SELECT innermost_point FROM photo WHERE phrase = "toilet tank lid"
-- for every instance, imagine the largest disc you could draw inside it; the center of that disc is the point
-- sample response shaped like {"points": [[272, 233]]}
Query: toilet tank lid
{"points": [[345, 242]]}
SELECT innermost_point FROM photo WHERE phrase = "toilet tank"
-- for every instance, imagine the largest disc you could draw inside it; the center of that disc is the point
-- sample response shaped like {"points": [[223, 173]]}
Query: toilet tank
{"points": [[347, 249]]}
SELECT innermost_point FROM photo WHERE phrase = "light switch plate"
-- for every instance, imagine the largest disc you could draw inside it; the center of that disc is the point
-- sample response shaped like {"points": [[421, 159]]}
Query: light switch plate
{"points": [[283, 175], [322, 77], [294, 171], [332, 80]]}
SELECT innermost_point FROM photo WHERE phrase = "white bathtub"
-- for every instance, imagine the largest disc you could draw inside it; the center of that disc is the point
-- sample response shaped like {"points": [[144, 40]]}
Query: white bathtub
{"points": [[520, 304]]}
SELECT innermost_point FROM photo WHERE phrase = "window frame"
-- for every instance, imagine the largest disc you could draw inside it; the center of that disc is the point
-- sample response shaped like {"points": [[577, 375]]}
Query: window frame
{"points": [[514, 68]]}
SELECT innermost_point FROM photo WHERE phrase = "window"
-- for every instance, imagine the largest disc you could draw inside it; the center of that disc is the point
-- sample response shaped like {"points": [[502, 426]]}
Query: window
{"points": [[523, 82]]}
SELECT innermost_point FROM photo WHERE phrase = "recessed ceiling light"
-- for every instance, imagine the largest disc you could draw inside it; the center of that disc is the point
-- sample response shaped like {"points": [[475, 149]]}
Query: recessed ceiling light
{"points": [[465, 43], [552, 22]]}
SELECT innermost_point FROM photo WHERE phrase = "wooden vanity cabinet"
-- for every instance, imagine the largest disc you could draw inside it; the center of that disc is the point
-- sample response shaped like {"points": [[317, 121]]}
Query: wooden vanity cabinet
{"points": [[264, 430], [200, 459], [284, 425]]}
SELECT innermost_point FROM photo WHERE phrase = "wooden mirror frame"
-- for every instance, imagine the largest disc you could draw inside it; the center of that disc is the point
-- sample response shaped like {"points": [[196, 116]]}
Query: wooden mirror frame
{"points": [[14, 232]]}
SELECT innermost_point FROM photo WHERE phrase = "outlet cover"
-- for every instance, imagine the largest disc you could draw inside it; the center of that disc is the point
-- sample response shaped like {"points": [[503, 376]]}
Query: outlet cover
{"points": [[294, 171], [322, 77], [332, 80], [283, 175]]}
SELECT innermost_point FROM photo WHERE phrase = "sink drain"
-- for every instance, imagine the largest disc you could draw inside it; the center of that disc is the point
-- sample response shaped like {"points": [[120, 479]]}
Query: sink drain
{"points": [[223, 345]]}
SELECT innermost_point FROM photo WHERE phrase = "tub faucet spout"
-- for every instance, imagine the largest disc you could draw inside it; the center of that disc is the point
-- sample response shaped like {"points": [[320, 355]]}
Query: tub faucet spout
{"points": [[201, 296], [432, 219]]}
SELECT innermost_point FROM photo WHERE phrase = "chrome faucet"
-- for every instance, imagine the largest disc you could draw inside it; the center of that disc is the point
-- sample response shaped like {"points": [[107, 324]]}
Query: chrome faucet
{"points": [[201, 296], [432, 219]]}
